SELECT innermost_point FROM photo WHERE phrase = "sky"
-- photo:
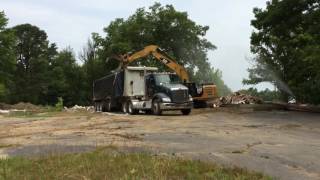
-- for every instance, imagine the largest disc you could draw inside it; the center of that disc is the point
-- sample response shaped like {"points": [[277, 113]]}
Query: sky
{"points": [[71, 22]]}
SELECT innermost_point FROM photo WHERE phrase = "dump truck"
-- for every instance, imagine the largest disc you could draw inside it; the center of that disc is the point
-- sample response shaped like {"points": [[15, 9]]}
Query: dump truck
{"points": [[135, 89], [201, 94]]}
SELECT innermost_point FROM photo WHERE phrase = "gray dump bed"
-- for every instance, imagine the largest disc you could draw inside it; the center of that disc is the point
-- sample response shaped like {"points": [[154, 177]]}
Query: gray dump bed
{"points": [[108, 86], [127, 82]]}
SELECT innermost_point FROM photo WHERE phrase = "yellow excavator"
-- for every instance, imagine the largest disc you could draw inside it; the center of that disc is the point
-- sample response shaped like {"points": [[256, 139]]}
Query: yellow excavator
{"points": [[200, 94]]}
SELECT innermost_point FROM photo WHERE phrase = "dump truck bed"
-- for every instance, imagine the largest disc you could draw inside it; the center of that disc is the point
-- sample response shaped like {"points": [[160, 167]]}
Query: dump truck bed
{"points": [[109, 86]]}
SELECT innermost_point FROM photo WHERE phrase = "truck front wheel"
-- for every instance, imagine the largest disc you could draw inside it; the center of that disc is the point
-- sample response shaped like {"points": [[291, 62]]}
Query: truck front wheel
{"points": [[186, 111], [156, 107], [107, 106]]}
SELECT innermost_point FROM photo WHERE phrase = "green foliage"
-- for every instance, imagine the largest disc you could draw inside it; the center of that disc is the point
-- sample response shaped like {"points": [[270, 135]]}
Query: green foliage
{"points": [[287, 45], [34, 54], [66, 80], [223, 89], [59, 104], [113, 165], [7, 58], [33, 70], [94, 66], [172, 30], [265, 95], [2, 89]]}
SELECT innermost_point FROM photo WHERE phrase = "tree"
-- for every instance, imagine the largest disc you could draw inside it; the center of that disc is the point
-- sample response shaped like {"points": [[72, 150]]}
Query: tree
{"points": [[287, 47], [7, 58], [172, 30], [67, 80], [222, 88], [34, 55], [94, 67]]}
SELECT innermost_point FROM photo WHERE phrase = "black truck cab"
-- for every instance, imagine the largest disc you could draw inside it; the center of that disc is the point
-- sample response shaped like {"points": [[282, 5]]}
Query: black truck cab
{"points": [[167, 92]]}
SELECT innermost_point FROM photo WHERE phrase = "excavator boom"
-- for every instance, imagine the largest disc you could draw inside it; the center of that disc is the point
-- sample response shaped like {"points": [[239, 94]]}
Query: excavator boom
{"points": [[160, 55]]}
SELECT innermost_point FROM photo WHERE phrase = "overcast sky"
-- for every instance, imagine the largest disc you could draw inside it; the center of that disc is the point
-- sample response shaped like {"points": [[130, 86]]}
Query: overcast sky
{"points": [[70, 23]]}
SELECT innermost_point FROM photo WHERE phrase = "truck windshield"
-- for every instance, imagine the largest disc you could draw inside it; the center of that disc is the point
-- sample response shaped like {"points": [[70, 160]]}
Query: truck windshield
{"points": [[167, 79]]}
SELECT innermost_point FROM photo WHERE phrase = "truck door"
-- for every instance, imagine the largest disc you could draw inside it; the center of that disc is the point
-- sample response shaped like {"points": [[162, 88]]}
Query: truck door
{"points": [[150, 84]]}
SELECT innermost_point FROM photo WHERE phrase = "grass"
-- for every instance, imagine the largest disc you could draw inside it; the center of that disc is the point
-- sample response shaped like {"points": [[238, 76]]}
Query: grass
{"points": [[102, 164], [7, 145]]}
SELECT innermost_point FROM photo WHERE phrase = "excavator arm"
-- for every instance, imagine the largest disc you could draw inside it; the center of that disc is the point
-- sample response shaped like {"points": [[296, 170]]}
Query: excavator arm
{"points": [[160, 55]]}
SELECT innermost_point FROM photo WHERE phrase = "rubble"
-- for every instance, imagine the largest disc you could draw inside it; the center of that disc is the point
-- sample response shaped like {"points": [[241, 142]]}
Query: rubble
{"points": [[236, 98], [26, 107], [19, 107], [76, 108], [5, 106], [4, 111]]}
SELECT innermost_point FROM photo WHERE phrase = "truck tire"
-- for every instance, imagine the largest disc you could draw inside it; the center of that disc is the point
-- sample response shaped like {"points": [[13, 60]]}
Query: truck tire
{"points": [[100, 107], [124, 107], [131, 111], [107, 106], [186, 111], [156, 107], [97, 106]]}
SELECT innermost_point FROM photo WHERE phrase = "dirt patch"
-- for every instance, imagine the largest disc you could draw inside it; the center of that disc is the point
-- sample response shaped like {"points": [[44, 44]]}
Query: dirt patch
{"points": [[251, 140], [128, 136], [290, 126]]}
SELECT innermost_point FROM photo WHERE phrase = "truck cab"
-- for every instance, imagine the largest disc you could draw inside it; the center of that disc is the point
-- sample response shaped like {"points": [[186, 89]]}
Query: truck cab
{"points": [[167, 93]]}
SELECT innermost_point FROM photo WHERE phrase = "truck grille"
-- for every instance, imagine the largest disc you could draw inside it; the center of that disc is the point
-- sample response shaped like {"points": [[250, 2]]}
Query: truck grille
{"points": [[180, 96]]}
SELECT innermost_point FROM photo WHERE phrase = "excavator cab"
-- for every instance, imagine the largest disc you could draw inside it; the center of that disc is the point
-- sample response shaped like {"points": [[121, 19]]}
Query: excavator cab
{"points": [[201, 93]]}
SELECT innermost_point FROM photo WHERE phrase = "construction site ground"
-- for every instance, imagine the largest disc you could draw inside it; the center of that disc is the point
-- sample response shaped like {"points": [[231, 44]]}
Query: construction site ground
{"points": [[282, 144]]}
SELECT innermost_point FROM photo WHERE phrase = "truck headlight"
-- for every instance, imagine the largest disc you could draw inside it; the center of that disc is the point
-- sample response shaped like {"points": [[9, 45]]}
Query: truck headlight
{"points": [[166, 99], [190, 98]]}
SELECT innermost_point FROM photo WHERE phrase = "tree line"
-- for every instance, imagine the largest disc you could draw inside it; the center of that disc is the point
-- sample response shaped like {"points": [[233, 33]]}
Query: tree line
{"points": [[32, 69]]}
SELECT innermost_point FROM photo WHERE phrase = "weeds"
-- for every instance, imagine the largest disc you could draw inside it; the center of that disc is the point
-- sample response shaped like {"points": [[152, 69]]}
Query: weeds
{"points": [[103, 164]]}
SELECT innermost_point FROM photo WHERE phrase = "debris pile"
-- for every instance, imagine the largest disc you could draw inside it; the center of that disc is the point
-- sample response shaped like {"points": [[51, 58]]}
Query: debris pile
{"points": [[19, 107], [26, 107], [237, 98], [4, 111], [76, 108], [4, 106]]}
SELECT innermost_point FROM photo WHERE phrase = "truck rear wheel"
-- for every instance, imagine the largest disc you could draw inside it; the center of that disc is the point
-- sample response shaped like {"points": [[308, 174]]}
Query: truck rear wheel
{"points": [[131, 110], [107, 106], [97, 107], [156, 107], [186, 111], [124, 107], [100, 105]]}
